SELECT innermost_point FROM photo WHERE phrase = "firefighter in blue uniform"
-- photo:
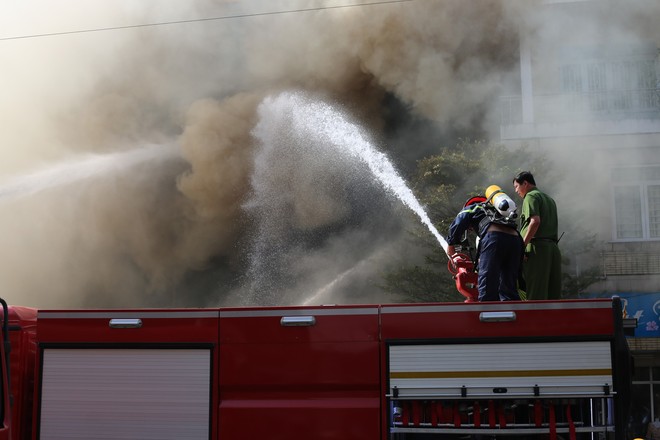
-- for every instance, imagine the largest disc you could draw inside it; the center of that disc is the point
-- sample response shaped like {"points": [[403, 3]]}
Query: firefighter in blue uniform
{"points": [[499, 248]]}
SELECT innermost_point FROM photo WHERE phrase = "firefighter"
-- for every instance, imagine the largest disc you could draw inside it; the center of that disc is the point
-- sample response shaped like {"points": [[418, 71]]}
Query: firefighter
{"points": [[499, 247]]}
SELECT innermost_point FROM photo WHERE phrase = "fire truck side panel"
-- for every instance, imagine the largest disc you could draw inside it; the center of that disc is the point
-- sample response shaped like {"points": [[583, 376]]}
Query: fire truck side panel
{"points": [[313, 324], [130, 326], [22, 334], [291, 372], [527, 369], [375, 372], [130, 374], [498, 320]]}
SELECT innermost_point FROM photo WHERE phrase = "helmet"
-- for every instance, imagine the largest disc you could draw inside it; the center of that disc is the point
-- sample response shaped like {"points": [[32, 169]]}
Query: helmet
{"points": [[473, 200]]}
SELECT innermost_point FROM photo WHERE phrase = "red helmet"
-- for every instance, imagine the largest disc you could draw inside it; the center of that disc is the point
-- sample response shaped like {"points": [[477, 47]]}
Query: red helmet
{"points": [[475, 199]]}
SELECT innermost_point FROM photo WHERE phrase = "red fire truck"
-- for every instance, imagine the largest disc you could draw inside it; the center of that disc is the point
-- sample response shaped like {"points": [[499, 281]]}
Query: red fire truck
{"points": [[545, 369]]}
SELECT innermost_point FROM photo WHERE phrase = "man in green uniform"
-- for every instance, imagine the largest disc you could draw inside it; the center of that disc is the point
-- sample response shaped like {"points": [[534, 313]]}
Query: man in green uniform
{"points": [[538, 227]]}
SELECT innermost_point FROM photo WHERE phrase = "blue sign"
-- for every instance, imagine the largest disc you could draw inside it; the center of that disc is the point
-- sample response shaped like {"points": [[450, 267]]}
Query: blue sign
{"points": [[645, 307]]}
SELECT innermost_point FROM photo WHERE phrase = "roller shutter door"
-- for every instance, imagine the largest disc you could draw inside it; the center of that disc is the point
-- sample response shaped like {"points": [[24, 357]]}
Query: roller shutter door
{"points": [[125, 394], [583, 367]]}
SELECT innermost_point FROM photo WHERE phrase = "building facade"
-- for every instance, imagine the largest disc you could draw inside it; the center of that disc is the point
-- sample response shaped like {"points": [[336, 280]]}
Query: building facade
{"points": [[588, 97]]}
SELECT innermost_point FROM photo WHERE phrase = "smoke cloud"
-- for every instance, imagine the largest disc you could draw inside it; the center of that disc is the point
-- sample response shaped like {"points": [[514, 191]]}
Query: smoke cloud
{"points": [[217, 216]]}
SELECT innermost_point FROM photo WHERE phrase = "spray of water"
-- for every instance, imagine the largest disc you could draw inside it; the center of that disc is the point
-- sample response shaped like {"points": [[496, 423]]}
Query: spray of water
{"points": [[324, 294], [311, 162], [319, 296], [91, 166], [329, 123]]}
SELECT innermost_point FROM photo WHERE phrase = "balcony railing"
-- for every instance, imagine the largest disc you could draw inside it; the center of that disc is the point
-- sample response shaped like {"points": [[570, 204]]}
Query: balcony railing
{"points": [[610, 105]]}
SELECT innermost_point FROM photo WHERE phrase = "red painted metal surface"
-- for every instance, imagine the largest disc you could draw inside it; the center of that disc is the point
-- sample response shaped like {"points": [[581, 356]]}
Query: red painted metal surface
{"points": [[539, 319], [22, 335], [322, 376], [333, 323], [157, 326], [182, 327], [320, 380], [317, 379]]}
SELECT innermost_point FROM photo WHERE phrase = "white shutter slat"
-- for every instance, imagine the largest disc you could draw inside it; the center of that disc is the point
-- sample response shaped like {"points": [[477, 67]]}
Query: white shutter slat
{"points": [[125, 394]]}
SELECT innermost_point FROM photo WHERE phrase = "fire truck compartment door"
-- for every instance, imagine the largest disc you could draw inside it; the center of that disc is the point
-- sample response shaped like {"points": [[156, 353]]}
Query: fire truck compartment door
{"points": [[125, 393], [501, 370], [288, 374]]}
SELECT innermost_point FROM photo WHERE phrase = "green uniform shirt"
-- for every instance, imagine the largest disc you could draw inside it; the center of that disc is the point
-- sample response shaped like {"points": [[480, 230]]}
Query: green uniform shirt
{"points": [[539, 203], [542, 267]]}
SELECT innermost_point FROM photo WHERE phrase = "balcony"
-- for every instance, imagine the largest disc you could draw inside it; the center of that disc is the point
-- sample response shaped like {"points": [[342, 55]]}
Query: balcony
{"points": [[582, 114]]}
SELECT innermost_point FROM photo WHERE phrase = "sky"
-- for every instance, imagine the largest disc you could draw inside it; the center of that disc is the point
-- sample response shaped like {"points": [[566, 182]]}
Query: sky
{"points": [[148, 165]]}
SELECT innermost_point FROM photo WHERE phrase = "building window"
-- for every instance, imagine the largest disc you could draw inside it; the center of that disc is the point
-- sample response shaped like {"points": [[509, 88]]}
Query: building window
{"points": [[636, 195], [654, 210], [571, 78], [645, 400], [628, 207], [608, 82]]}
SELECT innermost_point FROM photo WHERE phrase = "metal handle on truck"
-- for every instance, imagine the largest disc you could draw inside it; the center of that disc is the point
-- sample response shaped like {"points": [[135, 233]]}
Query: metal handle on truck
{"points": [[125, 323], [297, 321], [497, 316]]}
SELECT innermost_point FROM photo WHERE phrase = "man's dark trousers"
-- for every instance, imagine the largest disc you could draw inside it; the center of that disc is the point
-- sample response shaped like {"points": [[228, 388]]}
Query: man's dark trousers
{"points": [[499, 264]]}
